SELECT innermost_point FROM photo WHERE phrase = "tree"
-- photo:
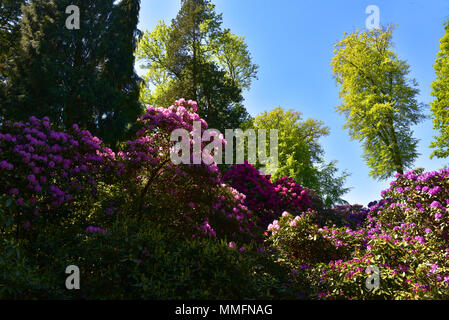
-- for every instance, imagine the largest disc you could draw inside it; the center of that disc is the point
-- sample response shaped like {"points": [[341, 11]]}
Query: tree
{"points": [[440, 106], [379, 100], [120, 73], [300, 155], [193, 58], [83, 76], [10, 12]]}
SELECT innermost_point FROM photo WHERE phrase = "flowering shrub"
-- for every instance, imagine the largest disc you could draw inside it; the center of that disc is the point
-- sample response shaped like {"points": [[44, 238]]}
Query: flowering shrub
{"points": [[405, 235], [301, 242], [45, 173], [65, 197], [203, 206], [351, 216], [267, 199]]}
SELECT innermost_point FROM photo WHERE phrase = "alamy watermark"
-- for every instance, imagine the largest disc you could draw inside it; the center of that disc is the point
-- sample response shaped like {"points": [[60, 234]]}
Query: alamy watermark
{"points": [[213, 151], [72, 281], [373, 281], [373, 20], [73, 21]]}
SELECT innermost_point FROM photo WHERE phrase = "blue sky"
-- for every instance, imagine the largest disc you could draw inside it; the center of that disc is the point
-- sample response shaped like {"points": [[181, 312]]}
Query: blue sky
{"points": [[292, 42]]}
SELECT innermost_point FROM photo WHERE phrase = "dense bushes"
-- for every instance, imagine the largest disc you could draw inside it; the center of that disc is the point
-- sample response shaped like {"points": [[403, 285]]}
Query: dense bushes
{"points": [[204, 205], [150, 264], [49, 179], [405, 236], [140, 226], [69, 200], [141, 262]]}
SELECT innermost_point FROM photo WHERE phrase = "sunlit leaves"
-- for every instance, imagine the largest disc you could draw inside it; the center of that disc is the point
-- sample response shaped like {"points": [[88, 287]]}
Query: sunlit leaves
{"points": [[378, 100]]}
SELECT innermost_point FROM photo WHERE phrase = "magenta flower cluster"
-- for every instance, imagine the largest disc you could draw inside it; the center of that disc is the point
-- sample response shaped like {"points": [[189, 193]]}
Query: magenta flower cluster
{"points": [[42, 170], [93, 230], [265, 198]]}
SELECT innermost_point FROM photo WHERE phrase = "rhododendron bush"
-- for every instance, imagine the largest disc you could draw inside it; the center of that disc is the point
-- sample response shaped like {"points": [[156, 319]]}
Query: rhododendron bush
{"points": [[65, 196], [265, 198], [46, 174], [204, 204], [405, 235]]}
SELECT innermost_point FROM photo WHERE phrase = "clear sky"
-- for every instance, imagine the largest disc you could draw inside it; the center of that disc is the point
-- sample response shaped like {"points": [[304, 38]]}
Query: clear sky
{"points": [[292, 42]]}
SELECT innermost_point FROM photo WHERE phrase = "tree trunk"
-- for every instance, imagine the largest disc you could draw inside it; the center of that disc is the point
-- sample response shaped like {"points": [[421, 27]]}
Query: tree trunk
{"points": [[396, 154]]}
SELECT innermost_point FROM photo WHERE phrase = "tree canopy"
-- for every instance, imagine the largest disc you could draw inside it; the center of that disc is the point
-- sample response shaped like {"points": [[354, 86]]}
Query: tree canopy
{"points": [[300, 154], [440, 106], [379, 100], [10, 12], [83, 76], [195, 58]]}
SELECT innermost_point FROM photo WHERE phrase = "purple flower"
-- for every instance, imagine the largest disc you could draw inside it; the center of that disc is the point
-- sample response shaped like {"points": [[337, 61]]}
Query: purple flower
{"points": [[435, 204], [232, 245], [434, 191], [434, 268]]}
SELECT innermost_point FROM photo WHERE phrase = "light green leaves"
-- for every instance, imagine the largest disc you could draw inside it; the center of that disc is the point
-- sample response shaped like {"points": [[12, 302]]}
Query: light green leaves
{"points": [[378, 100], [440, 106]]}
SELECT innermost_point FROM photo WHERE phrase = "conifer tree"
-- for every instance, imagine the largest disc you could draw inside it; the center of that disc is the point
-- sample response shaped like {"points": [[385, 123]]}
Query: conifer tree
{"points": [[83, 76], [194, 58]]}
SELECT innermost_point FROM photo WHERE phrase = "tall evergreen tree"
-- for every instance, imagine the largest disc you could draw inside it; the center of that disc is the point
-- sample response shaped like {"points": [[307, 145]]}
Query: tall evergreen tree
{"points": [[119, 69], [10, 13], [440, 106], [83, 76], [194, 58], [379, 100]]}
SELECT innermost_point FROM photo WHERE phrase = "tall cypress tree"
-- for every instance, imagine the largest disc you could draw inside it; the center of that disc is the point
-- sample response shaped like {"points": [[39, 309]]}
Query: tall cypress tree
{"points": [[82, 76]]}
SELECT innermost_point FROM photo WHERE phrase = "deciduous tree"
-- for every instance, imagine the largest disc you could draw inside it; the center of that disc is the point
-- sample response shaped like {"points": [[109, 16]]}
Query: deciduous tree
{"points": [[440, 106], [379, 100], [300, 155]]}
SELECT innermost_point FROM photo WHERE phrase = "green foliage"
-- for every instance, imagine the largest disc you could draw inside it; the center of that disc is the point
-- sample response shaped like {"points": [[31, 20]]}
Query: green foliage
{"points": [[20, 278], [138, 261], [300, 241], [10, 12], [379, 100], [300, 155], [194, 58], [156, 265], [83, 76], [440, 106]]}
